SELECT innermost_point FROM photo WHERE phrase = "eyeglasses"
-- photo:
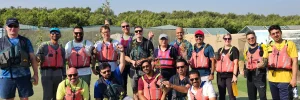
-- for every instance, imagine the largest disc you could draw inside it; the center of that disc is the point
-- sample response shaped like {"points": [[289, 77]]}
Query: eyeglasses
{"points": [[138, 31], [106, 72], [143, 67], [227, 39], [252, 38], [125, 26], [192, 79], [179, 67], [198, 36], [76, 33], [70, 75], [13, 26], [55, 33]]}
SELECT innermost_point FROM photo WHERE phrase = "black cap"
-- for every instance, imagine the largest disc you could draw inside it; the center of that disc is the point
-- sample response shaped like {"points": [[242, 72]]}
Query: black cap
{"points": [[10, 21]]}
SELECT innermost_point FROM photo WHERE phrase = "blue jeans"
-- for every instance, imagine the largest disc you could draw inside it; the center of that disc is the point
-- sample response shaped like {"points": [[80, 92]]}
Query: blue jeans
{"points": [[279, 91], [22, 84]]}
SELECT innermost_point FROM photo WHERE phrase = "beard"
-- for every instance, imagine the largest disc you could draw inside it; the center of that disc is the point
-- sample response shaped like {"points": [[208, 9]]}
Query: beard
{"points": [[78, 39]]}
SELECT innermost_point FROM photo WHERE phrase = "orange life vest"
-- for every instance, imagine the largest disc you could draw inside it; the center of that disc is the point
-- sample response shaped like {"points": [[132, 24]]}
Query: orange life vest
{"points": [[225, 64], [198, 96], [164, 59], [152, 91], [53, 59], [79, 59], [279, 59], [125, 43], [253, 59], [73, 95], [199, 60], [107, 53]]}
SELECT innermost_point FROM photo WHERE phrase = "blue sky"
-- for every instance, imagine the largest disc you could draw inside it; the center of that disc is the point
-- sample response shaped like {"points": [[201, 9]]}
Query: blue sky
{"points": [[281, 7]]}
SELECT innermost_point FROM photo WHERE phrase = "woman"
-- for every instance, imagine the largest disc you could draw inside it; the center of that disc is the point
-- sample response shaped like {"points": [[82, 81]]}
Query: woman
{"points": [[227, 67]]}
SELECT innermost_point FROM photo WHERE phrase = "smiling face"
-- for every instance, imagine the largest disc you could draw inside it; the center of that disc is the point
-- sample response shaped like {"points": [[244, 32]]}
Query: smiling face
{"points": [[78, 34], [138, 32], [181, 68], [179, 33], [105, 34], [147, 68], [125, 27], [251, 38], [195, 80], [227, 40], [73, 76], [276, 35], [54, 35], [105, 73]]}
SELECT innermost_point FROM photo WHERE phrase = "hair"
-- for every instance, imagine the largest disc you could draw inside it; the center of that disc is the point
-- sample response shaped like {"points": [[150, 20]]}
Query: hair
{"points": [[228, 34], [250, 32], [149, 61], [180, 59], [104, 27], [194, 72], [124, 22], [80, 27], [274, 27], [139, 27], [104, 65]]}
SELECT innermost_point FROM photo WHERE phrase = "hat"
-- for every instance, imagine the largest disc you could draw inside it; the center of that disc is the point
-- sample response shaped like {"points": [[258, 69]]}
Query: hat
{"points": [[10, 21], [54, 29], [163, 36], [199, 32]]}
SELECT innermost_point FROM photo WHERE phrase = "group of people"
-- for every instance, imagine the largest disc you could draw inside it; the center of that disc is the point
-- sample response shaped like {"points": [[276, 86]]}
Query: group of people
{"points": [[174, 71]]}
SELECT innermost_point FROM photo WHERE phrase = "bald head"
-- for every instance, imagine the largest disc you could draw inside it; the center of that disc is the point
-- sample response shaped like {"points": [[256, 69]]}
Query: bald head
{"points": [[179, 33], [72, 70]]}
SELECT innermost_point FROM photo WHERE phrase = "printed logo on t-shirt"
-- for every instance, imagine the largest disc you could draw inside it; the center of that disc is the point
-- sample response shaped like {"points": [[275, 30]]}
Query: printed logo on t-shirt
{"points": [[77, 48]]}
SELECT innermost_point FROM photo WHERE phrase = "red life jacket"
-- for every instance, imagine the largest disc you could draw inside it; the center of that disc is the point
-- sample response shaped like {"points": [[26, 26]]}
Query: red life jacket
{"points": [[225, 64], [73, 95], [152, 91], [199, 60], [198, 96], [107, 53], [54, 58], [125, 43], [253, 59], [164, 59], [279, 59], [79, 59]]}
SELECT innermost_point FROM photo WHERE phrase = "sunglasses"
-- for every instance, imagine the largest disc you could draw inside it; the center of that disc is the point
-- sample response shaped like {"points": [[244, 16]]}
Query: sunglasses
{"points": [[143, 67], [70, 75], [252, 38], [198, 36], [192, 79], [54, 33], [227, 38], [76, 33], [179, 67], [125, 26], [106, 72], [138, 31], [13, 26]]}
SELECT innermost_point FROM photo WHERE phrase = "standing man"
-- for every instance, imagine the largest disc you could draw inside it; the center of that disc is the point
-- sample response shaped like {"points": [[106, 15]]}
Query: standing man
{"points": [[184, 47], [203, 58], [255, 67], [149, 85], [282, 64], [52, 64], [141, 49], [78, 54], [179, 83], [165, 56], [200, 90], [72, 88], [16, 57]]}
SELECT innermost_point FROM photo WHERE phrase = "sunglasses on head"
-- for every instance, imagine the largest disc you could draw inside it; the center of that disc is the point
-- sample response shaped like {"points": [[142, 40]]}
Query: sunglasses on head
{"points": [[106, 72], [198, 36], [70, 75], [227, 38], [252, 38], [80, 33], [13, 26], [179, 67], [192, 79], [138, 31], [125, 26]]}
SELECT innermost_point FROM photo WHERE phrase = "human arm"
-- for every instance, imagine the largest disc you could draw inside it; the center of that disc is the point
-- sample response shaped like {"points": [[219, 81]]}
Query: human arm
{"points": [[293, 53], [98, 92], [235, 58], [60, 93], [86, 91], [182, 89], [122, 58], [34, 63], [211, 56], [189, 51], [141, 90]]}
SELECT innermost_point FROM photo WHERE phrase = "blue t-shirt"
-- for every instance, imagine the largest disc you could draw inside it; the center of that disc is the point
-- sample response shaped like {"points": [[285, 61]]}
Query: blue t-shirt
{"points": [[18, 71], [99, 88], [208, 52]]}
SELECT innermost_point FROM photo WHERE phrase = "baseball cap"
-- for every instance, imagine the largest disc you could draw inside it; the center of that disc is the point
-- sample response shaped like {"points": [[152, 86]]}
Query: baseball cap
{"points": [[10, 21], [163, 36], [199, 32], [54, 29]]}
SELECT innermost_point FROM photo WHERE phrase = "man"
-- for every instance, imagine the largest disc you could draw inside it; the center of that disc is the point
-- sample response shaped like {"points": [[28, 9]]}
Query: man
{"points": [[179, 83], [183, 47], [110, 84], [282, 64], [52, 64], [141, 49], [14, 66], [255, 71], [203, 58], [72, 88], [149, 85], [106, 49], [165, 56], [200, 90], [78, 54]]}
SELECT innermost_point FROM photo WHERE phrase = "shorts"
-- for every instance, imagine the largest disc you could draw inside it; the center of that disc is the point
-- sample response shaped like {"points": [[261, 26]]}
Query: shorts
{"points": [[8, 87]]}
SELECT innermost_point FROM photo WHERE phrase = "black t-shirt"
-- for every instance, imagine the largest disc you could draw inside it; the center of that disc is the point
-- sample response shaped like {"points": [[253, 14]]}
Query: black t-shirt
{"points": [[234, 53]]}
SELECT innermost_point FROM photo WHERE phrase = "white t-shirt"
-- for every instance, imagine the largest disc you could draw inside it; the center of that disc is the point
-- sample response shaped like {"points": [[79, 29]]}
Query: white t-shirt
{"points": [[78, 46], [207, 90], [115, 43]]}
